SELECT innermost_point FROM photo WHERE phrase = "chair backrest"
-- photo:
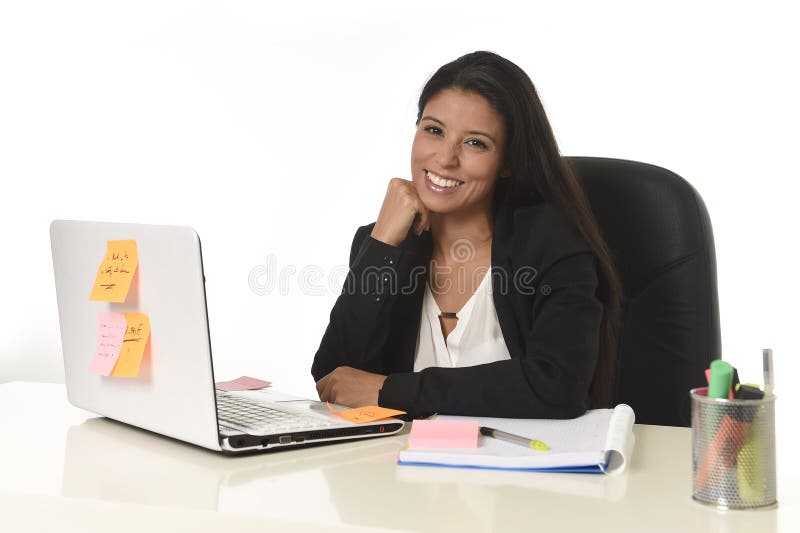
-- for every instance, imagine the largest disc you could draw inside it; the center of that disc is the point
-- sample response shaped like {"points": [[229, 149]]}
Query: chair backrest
{"points": [[659, 233]]}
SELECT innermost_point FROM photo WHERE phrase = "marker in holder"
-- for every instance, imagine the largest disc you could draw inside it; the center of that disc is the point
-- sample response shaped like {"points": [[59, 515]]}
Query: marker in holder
{"points": [[733, 451]]}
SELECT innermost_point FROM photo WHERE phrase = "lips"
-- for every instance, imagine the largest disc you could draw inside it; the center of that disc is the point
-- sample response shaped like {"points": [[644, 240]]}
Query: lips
{"points": [[442, 181], [441, 184]]}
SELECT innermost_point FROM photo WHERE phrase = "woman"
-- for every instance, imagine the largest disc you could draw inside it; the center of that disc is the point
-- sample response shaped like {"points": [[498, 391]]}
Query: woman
{"points": [[484, 287]]}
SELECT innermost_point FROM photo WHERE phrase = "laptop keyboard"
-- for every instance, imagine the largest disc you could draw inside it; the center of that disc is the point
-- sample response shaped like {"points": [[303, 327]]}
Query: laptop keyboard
{"points": [[257, 418]]}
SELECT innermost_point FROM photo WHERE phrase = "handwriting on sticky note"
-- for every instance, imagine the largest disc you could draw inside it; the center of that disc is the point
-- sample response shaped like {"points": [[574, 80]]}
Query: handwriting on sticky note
{"points": [[242, 383], [114, 276], [370, 413], [110, 334], [137, 334], [443, 434]]}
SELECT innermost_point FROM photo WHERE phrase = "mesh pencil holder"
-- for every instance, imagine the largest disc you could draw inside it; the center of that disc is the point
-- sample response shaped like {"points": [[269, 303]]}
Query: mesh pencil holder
{"points": [[733, 451]]}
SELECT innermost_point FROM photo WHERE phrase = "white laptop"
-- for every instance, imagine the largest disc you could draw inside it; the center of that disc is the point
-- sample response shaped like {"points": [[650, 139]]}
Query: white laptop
{"points": [[173, 393]]}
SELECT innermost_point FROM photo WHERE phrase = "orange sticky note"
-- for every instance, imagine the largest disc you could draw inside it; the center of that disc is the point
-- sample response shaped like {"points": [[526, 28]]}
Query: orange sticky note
{"points": [[370, 413], [116, 272], [137, 332], [110, 334]]}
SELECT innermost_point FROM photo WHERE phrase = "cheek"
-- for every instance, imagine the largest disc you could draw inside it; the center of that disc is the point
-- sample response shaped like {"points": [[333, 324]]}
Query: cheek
{"points": [[482, 168], [419, 154], [421, 148], [415, 161]]}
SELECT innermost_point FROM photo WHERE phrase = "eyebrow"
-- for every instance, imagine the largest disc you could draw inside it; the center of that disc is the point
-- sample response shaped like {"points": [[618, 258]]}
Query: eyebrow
{"points": [[473, 132]]}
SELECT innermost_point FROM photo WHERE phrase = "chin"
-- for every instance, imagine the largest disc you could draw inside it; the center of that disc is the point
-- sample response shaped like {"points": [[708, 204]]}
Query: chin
{"points": [[437, 203], [440, 206]]}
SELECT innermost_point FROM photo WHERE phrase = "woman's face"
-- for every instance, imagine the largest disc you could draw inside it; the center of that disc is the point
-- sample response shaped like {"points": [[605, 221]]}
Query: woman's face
{"points": [[457, 152]]}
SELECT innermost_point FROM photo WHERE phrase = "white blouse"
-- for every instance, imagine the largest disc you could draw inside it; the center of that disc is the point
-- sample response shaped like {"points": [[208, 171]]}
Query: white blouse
{"points": [[476, 339]]}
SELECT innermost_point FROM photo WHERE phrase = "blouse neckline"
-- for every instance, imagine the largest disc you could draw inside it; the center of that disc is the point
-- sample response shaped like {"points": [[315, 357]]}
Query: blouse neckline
{"points": [[463, 314]]}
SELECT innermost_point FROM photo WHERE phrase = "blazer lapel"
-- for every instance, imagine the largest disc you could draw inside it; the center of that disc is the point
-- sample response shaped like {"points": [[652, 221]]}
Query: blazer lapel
{"points": [[503, 273]]}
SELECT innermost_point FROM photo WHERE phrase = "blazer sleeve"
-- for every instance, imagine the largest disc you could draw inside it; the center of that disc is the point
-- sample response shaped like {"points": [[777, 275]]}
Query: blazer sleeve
{"points": [[549, 380], [360, 319]]}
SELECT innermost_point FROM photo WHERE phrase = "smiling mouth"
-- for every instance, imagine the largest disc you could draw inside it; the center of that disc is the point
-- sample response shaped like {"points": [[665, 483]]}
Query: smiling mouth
{"points": [[443, 182]]}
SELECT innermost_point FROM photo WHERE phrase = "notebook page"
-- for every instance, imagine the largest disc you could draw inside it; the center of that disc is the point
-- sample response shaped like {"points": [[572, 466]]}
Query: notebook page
{"points": [[586, 433], [576, 442], [619, 441]]}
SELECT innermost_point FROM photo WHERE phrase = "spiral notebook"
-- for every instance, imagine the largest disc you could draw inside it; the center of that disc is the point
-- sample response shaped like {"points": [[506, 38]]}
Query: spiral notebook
{"points": [[600, 441]]}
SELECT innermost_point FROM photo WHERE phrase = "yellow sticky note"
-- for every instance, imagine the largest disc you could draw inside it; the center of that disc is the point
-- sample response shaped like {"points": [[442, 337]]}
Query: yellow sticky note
{"points": [[137, 332], [370, 413], [116, 272]]}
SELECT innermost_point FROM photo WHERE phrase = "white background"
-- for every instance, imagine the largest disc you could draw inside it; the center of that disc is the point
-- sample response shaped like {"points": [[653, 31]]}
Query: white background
{"points": [[274, 129]]}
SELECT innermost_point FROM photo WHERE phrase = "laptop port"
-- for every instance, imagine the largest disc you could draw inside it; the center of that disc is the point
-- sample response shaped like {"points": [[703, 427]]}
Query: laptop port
{"points": [[299, 439], [285, 439]]}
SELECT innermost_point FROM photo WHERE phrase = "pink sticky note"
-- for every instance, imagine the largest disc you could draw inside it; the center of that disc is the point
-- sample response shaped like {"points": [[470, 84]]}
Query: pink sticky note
{"points": [[242, 383], [443, 434], [110, 334]]}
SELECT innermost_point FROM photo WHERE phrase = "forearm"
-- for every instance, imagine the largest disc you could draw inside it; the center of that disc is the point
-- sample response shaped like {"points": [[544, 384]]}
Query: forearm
{"points": [[505, 389], [361, 317]]}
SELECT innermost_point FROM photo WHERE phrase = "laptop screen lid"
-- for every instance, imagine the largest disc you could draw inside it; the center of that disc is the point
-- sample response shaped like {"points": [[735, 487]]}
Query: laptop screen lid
{"points": [[173, 393]]}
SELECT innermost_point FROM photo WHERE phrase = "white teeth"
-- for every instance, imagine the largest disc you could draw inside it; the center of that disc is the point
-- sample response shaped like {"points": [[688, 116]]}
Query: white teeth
{"points": [[442, 182]]}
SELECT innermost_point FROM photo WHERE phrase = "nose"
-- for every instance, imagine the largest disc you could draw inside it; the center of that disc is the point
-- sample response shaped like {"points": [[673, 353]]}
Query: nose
{"points": [[448, 155]]}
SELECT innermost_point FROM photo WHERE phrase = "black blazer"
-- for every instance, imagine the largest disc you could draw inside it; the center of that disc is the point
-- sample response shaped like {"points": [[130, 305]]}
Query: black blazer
{"points": [[544, 282]]}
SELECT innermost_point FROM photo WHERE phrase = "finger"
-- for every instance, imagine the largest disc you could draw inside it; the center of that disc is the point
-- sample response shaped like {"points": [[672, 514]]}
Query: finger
{"points": [[423, 221], [330, 385], [417, 224], [325, 395], [321, 385], [416, 207], [425, 217]]}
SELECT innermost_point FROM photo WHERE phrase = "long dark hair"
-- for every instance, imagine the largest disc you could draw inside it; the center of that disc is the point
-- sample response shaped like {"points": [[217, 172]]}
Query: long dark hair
{"points": [[538, 171]]}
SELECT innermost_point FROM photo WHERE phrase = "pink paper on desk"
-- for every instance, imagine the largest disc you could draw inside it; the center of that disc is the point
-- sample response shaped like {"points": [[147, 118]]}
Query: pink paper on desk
{"points": [[443, 434], [110, 334], [243, 383]]}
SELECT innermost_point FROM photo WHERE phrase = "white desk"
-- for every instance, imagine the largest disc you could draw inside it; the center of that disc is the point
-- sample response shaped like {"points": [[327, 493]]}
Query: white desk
{"points": [[62, 469]]}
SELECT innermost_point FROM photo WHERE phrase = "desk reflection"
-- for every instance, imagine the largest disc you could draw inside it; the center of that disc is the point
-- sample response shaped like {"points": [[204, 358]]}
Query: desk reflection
{"points": [[354, 483], [359, 484]]}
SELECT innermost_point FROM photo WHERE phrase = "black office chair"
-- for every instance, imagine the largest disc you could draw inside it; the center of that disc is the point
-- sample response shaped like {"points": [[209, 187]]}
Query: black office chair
{"points": [[659, 233]]}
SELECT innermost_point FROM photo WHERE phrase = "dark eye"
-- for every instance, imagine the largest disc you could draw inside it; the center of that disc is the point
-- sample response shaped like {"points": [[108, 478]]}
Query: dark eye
{"points": [[433, 130], [477, 143]]}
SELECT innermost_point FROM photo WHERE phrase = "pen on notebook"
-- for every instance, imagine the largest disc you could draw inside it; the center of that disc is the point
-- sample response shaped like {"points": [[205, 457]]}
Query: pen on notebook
{"points": [[533, 444]]}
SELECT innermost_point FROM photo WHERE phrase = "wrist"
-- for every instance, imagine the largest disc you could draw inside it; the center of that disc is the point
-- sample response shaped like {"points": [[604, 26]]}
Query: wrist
{"points": [[386, 239], [380, 382]]}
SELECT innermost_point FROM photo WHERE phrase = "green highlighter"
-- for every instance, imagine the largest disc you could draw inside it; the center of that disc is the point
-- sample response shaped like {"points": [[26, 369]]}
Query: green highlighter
{"points": [[721, 379], [719, 386]]}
